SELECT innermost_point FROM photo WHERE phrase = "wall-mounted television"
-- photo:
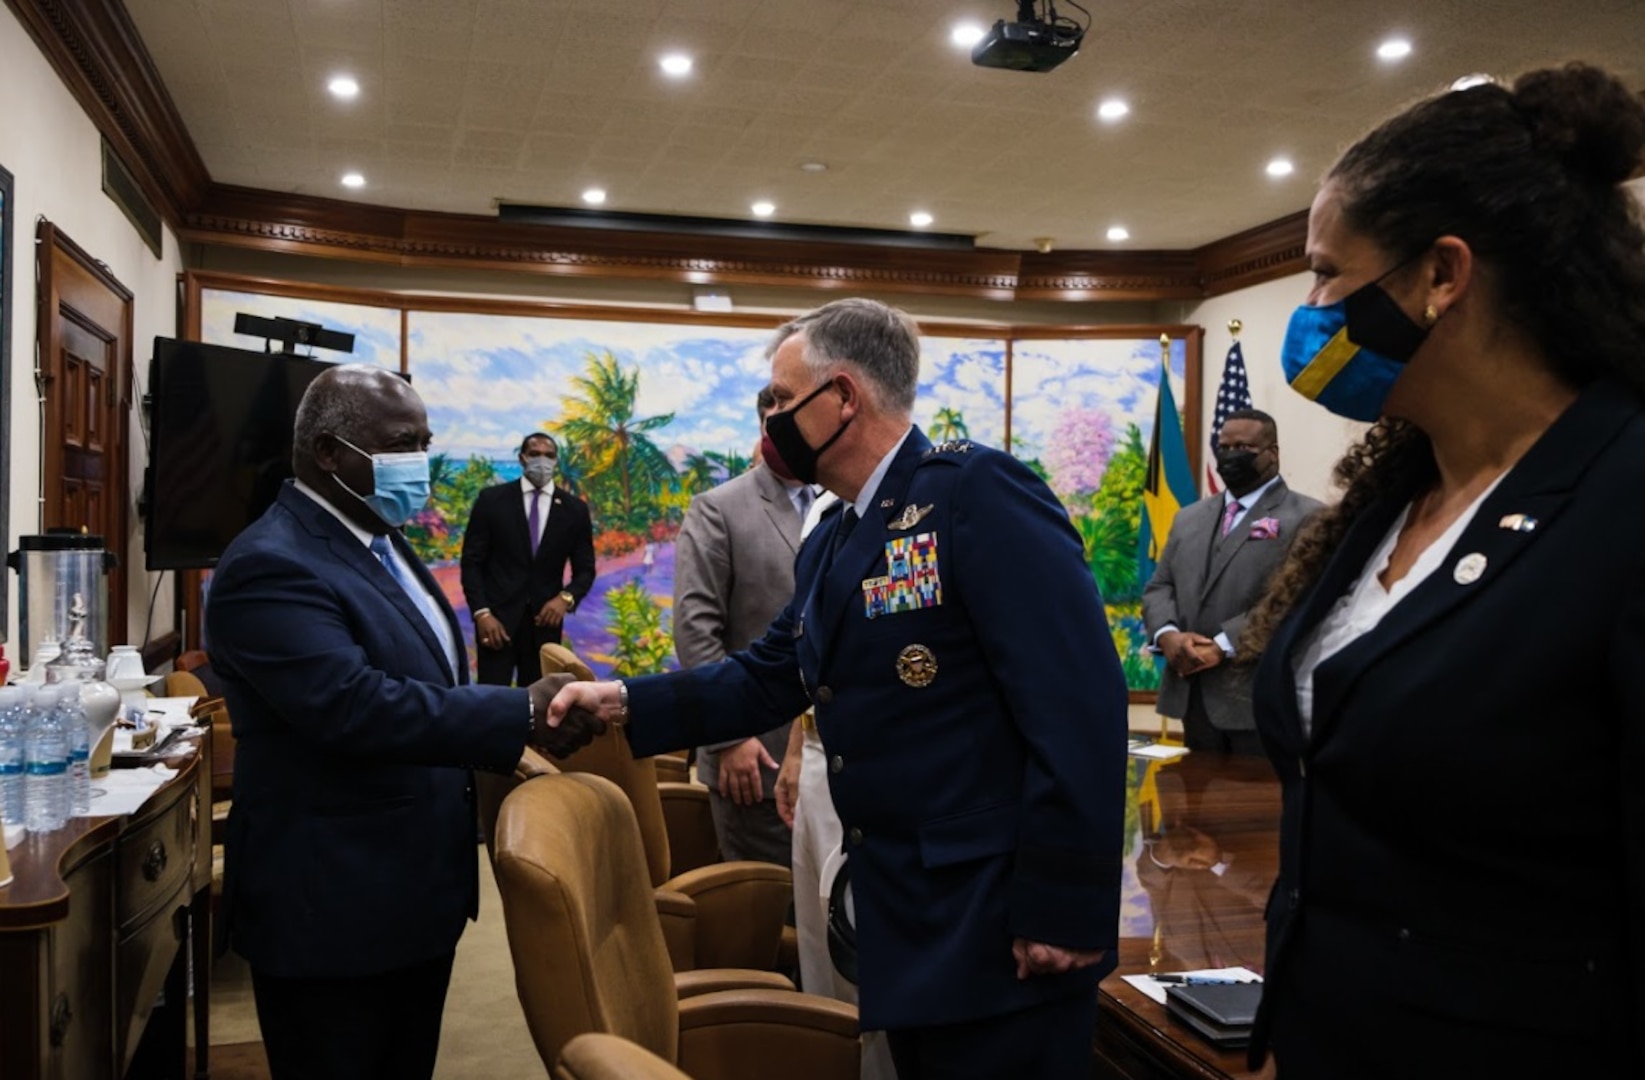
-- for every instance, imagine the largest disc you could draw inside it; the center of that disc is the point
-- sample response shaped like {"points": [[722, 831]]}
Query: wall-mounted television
{"points": [[219, 445]]}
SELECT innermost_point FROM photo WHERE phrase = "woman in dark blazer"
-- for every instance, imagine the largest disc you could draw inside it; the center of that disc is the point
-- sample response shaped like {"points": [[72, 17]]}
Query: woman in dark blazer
{"points": [[1452, 676]]}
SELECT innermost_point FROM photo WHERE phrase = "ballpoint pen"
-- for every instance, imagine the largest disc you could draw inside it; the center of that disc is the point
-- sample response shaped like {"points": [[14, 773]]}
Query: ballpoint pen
{"points": [[1199, 980]]}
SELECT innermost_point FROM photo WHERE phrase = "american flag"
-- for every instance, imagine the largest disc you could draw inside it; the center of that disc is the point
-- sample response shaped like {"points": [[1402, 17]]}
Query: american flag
{"points": [[1233, 395]]}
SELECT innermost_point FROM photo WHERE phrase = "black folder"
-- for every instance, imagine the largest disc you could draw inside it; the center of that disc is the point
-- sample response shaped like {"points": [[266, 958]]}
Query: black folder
{"points": [[1222, 1013]]}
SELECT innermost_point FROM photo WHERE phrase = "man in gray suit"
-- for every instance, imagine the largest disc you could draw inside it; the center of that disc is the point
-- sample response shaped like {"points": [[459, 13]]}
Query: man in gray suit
{"points": [[733, 572], [1217, 559]]}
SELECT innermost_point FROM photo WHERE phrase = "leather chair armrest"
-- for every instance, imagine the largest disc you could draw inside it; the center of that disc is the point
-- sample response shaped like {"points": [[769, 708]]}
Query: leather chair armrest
{"points": [[678, 914], [711, 980], [741, 907], [595, 1056], [742, 1032]]}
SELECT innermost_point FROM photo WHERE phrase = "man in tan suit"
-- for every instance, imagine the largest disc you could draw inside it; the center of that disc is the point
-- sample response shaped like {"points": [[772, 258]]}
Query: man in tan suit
{"points": [[733, 572]]}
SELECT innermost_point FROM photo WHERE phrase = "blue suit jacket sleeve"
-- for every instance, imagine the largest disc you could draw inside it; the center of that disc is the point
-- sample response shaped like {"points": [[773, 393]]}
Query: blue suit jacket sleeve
{"points": [[1035, 609]]}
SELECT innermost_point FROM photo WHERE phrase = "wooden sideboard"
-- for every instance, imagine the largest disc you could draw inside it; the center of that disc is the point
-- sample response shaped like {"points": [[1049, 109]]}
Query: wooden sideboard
{"points": [[1195, 814], [93, 930]]}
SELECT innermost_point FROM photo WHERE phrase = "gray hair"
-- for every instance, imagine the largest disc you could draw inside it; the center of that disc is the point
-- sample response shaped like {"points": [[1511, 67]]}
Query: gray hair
{"points": [[338, 402], [873, 339]]}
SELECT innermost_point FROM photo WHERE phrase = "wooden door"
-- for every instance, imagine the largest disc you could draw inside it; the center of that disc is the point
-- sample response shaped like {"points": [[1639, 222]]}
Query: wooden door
{"points": [[85, 331]]}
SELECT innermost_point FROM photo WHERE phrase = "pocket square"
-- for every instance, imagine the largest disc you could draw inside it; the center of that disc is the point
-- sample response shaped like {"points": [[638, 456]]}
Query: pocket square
{"points": [[1265, 529]]}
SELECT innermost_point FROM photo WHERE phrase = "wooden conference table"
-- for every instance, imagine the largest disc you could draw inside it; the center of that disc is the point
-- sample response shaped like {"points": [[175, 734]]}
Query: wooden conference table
{"points": [[1203, 853]]}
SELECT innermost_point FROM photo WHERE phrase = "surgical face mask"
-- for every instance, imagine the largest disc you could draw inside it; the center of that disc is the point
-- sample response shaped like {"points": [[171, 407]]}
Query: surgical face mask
{"points": [[784, 449], [1238, 469], [539, 470], [400, 484], [1347, 355]]}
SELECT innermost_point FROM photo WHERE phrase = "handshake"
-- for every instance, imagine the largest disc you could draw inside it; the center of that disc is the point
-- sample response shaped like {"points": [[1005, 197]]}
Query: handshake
{"points": [[573, 726]]}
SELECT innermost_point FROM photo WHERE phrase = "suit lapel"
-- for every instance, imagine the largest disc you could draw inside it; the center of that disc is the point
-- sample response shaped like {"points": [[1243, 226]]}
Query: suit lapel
{"points": [[1228, 546], [555, 523], [863, 552], [348, 550], [779, 507], [1539, 487]]}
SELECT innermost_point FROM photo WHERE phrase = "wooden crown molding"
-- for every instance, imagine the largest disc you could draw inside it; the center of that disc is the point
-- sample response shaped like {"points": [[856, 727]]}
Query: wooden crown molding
{"points": [[98, 53], [100, 57]]}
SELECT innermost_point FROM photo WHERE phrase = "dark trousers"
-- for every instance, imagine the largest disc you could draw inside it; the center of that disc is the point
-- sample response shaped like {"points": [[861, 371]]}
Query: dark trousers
{"points": [[1198, 733], [497, 667], [371, 1027], [755, 832], [1050, 1041]]}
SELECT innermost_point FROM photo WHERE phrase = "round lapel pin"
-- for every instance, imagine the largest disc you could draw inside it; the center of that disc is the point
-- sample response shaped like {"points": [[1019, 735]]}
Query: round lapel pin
{"points": [[1469, 569]]}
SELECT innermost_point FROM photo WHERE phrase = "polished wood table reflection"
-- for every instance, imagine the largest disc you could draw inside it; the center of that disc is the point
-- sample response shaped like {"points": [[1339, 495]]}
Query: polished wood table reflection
{"points": [[1205, 851]]}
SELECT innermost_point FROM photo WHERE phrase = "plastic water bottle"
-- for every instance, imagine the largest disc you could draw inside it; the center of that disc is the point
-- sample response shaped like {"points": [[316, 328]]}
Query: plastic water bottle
{"points": [[13, 729], [79, 738], [45, 766]]}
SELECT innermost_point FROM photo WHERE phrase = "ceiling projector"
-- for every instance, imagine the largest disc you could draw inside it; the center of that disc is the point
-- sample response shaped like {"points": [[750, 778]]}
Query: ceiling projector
{"points": [[1031, 43]]}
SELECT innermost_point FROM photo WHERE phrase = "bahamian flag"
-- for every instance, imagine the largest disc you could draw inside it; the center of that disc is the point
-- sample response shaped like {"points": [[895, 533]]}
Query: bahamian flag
{"points": [[1170, 482]]}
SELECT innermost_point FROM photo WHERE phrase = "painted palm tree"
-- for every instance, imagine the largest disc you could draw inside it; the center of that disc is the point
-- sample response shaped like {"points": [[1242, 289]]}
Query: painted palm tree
{"points": [[701, 473], [949, 424], [612, 441]]}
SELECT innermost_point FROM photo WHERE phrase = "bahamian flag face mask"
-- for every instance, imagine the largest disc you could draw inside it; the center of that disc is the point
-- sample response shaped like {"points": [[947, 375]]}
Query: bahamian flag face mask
{"points": [[1346, 355]]}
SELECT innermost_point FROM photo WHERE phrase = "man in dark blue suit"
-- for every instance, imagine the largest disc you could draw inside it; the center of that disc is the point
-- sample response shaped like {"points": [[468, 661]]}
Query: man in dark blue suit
{"points": [[350, 860], [947, 631]]}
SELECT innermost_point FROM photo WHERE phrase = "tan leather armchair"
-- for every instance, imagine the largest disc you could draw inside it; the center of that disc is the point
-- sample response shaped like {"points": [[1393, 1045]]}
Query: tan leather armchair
{"points": [[737, 908], [606, 1057], [589, 954], [490, 789]]}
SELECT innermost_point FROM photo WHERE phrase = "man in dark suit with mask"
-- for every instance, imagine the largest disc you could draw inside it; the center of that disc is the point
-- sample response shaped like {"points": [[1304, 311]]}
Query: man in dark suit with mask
{"points": [[947, 630], [521, 536], [1217, 558], [349, 861]]}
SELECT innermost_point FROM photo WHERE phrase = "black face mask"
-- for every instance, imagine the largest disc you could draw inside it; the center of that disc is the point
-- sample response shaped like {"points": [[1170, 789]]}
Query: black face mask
{"points": [[1238, 469], [785, 450]]}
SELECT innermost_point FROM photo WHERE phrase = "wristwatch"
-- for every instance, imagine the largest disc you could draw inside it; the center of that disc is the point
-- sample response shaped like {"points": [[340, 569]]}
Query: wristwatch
{"points": [[570, 600]]}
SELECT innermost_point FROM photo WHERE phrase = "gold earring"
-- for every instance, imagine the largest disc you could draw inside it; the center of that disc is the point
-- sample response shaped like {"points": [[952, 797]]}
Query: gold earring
{"points": [[1430, 315]]}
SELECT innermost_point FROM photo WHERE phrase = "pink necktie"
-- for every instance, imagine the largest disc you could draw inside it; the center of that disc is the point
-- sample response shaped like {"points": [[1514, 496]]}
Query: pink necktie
{"points": [[1229, 515], [535, 522]]}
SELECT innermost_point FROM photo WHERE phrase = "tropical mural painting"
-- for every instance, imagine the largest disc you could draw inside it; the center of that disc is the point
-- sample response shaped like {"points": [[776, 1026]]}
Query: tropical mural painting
{"points": [[1082, 413], [376, 330], [647, 415]]}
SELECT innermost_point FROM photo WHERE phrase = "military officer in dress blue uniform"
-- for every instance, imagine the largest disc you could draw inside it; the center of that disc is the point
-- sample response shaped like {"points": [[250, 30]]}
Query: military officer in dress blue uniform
{"points": [[949, 635]]}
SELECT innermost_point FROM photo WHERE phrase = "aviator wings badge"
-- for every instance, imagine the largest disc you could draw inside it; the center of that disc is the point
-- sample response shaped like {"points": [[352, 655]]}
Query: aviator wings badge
{"points": [[911, 516]]}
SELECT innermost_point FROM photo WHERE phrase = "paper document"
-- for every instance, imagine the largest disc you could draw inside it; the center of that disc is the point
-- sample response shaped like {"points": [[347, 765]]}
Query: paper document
{"points": [[1159, 751], [1155, 989]]}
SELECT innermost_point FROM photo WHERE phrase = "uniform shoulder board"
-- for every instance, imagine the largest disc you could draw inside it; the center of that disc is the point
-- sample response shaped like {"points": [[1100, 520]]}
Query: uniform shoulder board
{"points": [[952, 446]]}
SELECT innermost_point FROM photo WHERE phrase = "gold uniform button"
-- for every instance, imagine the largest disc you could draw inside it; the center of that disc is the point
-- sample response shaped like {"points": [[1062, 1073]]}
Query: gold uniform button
{"points": [[836, 764], [825, 696]]}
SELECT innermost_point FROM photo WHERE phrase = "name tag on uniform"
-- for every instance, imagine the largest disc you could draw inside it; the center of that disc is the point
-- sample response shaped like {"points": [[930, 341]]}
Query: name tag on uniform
{"points": [[911, 581]]}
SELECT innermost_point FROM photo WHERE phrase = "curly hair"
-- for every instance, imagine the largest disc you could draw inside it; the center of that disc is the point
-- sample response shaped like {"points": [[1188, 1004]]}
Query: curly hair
{"points": [[1531, 178]]}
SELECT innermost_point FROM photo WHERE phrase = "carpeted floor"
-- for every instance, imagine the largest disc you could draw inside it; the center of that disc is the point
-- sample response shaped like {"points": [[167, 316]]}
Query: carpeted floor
{"points": [[484, 1033]]}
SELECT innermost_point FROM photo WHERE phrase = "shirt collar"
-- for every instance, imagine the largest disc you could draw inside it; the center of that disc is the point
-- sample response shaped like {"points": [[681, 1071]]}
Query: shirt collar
{"points": [[362, 535], [1249, 499], [865, 497], [527, 487]]}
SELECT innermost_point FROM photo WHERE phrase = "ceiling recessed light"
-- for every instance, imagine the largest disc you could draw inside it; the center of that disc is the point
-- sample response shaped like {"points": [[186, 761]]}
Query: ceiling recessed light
{"points": [[1394, 49], [354, 180], [813, 166], [1281, 167], [920, 219], [344, 87], [594, 196], [764, 208], [1468, 82], [677, 65], [1113, 109], [966, 34], [1119, 232]]}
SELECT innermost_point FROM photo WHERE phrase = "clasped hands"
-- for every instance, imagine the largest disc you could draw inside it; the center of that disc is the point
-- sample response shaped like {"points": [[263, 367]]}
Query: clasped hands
{"points": [[573, 727], [1189, 653]]}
